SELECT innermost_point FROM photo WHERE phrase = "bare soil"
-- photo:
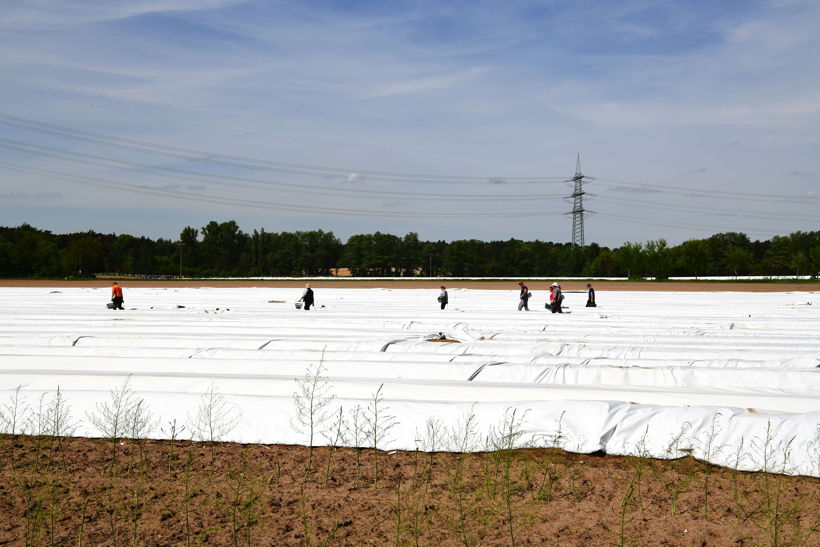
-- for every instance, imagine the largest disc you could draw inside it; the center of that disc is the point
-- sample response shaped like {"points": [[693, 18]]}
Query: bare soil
{"points": [[76, 491], [410, 283]]}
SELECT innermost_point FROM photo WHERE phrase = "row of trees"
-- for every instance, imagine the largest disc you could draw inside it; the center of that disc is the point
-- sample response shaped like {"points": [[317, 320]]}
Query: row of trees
{"points": [[223, 249]]}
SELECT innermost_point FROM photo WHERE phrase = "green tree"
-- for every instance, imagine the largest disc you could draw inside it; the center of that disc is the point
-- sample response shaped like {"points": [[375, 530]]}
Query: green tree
{"points": [[319, 251], [189, 248], [604, 265], [83, 256], [432, 256], [693, 258], [814, 261], [718, 246], [738, 260], [410, 255], [463, 258], [34, 253], [799, 263], [222, 247], [632, 259], [6, 267], [355, 255], [778, 257], [658, 258]]}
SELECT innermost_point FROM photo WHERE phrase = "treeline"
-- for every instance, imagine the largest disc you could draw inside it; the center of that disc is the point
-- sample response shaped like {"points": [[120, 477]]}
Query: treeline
{"points": [[222, 249]]}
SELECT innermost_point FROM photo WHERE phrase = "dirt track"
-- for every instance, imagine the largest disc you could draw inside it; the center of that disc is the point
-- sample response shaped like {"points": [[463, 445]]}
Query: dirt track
{"points": [[680, 286]]}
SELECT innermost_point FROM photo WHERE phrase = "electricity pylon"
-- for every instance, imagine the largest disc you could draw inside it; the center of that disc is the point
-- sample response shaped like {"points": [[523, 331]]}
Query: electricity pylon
{"points": [[578, 205]]}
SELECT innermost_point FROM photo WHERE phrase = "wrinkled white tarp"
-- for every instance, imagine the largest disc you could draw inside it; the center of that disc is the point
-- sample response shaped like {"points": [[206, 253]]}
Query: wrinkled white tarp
{"points": [[731, 378]]}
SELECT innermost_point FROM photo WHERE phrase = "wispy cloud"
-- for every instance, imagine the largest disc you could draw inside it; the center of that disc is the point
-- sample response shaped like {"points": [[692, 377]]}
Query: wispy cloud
{"points": [[60, 14], [424, 83], [32, 196]]}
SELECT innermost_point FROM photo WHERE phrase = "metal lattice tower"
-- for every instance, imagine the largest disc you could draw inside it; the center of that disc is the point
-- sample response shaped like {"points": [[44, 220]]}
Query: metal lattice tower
{"points": [[578, 205]]}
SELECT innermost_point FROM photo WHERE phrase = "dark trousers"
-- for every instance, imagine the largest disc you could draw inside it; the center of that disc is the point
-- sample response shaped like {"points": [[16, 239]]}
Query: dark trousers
{"points": [[308, 304], [117, 300], [443, 304]]}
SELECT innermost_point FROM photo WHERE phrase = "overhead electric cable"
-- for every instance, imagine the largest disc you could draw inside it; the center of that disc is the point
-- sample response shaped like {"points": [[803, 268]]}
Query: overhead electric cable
{"points": [[699, 209], [197, 176], [258, 204], [231, 159], [695, 227], [232, 129], [639, 186], [190, 154]]}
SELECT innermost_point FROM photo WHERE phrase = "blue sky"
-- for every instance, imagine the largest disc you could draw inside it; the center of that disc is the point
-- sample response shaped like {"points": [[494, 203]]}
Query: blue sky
{"points": [[451, 119]]}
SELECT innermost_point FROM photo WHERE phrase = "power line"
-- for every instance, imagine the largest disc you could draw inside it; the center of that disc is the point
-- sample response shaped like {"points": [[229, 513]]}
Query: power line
{"points": [[197, 176], [230, 160], [204, 198], [643, 187], [247, 162], [195, 156], [99, 105], [699, 209], [694, 227]]}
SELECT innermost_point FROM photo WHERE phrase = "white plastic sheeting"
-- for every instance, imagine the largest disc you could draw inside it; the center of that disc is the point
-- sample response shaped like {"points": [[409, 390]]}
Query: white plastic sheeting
{"points": [[731, 378]]}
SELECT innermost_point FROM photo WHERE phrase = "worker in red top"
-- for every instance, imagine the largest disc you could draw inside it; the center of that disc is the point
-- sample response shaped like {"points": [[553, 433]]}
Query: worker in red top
{"points": [[116, 296]]}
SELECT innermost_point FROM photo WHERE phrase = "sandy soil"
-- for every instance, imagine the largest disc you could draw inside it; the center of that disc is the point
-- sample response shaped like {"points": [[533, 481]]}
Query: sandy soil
{"points": [[79, 492], [742, 286]]}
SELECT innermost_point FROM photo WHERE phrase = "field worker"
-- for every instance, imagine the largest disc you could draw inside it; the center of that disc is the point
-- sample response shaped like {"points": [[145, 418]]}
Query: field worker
{"points": [[591, 297], [307, 297], [116, 296], [556, 297], [523, 297], [442, 297]]}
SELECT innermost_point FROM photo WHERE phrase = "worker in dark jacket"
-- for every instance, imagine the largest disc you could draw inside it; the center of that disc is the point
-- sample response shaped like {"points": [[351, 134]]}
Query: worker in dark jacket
{"points": [[523, 297], [442, 297], [591, 297], [307, 297], [556, 298]]}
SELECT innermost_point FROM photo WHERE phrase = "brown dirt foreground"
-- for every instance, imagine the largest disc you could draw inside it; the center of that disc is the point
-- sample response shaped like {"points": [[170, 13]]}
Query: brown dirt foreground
{"points": [[76, 491]]}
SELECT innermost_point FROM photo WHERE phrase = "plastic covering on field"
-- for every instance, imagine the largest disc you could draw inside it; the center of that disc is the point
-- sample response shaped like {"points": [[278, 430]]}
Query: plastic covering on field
{"points": [[730, 378]]}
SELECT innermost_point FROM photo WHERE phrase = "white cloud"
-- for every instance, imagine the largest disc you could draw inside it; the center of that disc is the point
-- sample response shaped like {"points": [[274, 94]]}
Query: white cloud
{"points": [[62, 14], [30, 195], [424, 83]]}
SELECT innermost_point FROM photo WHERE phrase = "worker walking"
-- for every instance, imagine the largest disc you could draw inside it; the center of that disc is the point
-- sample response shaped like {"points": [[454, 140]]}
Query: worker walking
{"points": [[307, 297], [442, 297], [523, 297], [116, 296], [556, 297], [591, 297]]}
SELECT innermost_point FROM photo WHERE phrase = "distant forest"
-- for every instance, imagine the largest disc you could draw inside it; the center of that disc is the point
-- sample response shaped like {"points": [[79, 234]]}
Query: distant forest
{"points": [[222, 249]]}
